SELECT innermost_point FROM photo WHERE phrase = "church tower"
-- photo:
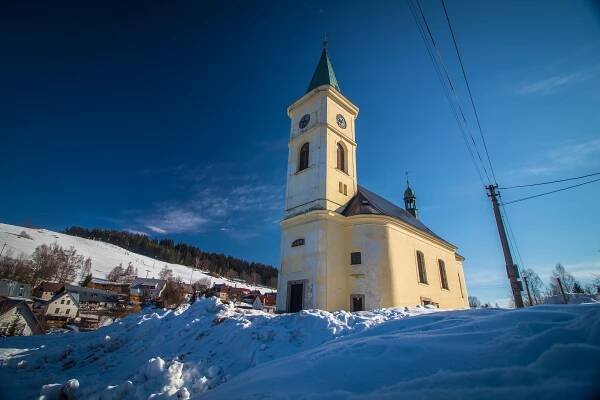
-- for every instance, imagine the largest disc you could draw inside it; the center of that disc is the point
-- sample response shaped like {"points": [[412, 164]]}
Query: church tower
{"points": [[322, 148], [344, 247]]}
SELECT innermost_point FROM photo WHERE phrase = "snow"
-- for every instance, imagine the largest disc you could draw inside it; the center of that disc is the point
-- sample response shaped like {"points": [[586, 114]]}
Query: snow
{"points": [[105, 256], [214, 351], [572, 298]]}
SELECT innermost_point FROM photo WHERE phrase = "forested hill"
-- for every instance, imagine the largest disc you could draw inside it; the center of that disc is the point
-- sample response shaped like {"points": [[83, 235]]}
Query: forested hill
{"points": [[181, 253]]}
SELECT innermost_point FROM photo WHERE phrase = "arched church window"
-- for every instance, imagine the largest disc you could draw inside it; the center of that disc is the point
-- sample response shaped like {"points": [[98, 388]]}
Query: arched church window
{"points": [[303, 159], [443, 276], [421, 267], [341, 158], [298, 242]]}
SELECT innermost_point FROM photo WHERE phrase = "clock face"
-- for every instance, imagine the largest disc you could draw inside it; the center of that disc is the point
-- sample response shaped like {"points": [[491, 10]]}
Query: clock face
{"points": [[341, 121], [304, 121]]}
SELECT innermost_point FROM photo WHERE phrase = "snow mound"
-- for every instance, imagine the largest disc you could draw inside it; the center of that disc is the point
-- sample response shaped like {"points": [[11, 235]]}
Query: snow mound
{"points": [[214, 351], [105, 256]]}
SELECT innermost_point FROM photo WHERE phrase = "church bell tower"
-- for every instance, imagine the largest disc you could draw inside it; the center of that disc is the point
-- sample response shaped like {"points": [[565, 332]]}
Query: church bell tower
{"points": [[322, 146]]}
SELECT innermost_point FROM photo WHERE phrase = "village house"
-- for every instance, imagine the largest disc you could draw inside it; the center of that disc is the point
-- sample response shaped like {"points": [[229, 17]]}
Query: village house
{"points": [[121, 288], [46, 290], [227, 293], [257, 301], [17, 319], [146, 290], [343, 247], [63, 306], [10, 288], [90, 299]]}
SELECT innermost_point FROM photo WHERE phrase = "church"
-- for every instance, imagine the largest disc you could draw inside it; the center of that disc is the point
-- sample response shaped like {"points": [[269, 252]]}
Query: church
{"points": [[344, 247]]}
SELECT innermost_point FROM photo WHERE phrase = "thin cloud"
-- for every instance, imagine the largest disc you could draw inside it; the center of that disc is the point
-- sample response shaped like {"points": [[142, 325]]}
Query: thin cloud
{"points": [[549, 85], [561, 158], [156, 229], [176, 220]]}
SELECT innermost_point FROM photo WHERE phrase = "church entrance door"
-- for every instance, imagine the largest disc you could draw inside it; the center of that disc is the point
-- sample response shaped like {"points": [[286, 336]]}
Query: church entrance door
{"points": [[296, 293], [357, 302]]}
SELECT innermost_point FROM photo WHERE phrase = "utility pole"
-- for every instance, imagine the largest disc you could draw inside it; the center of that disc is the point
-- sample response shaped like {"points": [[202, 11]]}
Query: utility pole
{"points": [[511, 269], [528, 292], [562, 290]]}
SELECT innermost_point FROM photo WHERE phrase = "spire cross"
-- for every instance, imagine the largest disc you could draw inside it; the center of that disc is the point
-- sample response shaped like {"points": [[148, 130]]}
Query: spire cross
{"points": [[407, 183], [325, 41]]}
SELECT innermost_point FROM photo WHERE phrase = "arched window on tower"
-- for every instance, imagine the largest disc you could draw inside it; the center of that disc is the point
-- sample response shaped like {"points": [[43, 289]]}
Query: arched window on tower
{"points": [[341, 158], [303, 159], [421, 267]]}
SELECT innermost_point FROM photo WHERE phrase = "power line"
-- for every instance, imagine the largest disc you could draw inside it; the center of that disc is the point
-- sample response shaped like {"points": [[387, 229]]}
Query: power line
{"points": [[457, 101], [549, 182], [550, 192], [447, 85], [464, 74]]}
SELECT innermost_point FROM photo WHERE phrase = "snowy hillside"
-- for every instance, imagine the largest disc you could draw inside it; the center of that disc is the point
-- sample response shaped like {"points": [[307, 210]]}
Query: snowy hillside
{"points": [[105, 256], [211, 351]]}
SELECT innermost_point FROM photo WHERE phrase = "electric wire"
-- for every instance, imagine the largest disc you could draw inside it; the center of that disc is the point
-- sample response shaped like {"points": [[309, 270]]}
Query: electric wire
{"points": [[550, 192], [441, 60], [446, 83], [549, 182], [464, 74]]}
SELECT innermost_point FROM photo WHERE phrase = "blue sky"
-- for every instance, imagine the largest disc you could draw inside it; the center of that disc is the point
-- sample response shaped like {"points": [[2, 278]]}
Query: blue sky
{"points": [[170, 119]]}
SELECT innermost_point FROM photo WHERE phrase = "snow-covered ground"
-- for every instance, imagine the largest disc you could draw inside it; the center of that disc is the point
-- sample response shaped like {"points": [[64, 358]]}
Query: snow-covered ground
{"points": [[105, 256], [209, 350]]}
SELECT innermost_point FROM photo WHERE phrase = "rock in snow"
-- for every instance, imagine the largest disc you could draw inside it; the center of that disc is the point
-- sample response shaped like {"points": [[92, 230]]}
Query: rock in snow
{"points": [[213, 351]]}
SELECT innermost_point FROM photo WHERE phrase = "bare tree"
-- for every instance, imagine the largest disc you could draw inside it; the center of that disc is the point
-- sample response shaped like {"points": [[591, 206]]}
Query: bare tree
{"points": [[116, 273], [129, 274], [174, 293], [69, 264], [567, 280], [86, 269], [536, 286], [474, 302], [165, 273], [46, 261]]}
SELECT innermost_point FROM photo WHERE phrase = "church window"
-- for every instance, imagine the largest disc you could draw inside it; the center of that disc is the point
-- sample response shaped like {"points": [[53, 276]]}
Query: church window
{"points": [[341, 187], [298, 242], [421, 267], [355, 258], [460, 285], [303, 160], [346, 189], [341, 158], [443, 276]]}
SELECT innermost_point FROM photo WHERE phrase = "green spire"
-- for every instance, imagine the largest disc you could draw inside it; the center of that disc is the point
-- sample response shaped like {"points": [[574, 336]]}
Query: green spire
{"points": [[324, 74]]}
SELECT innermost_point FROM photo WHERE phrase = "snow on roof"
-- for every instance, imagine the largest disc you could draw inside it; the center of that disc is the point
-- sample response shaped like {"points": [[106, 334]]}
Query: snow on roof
{"points": [[151, 282], [101, 281]]}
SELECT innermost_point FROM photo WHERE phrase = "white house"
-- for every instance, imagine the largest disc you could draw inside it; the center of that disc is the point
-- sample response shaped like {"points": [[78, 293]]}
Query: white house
{"points": [[16, 319], [63, 305]]}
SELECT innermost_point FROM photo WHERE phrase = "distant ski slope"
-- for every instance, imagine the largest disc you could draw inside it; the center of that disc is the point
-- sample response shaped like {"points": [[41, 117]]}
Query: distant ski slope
{"points": [[105, 256]]}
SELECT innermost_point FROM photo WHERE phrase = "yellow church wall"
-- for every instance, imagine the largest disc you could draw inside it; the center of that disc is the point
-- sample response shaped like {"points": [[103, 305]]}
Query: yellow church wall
{"points": [[387, 276]]}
